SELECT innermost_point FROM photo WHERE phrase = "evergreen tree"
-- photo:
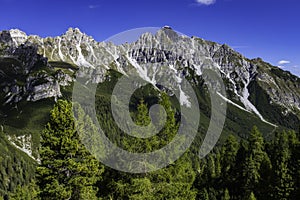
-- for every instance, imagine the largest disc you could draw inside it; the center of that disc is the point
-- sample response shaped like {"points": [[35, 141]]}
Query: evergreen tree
{"points": [[67, 169], [229, 152], [295, 170], [226, 195], [236, 186], [251, 196], [256, 157], [282, 179]]}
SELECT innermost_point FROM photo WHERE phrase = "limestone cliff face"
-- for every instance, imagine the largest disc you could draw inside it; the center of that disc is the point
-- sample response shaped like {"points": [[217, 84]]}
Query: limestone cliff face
{"points": [[152, 55], [25, 74]]}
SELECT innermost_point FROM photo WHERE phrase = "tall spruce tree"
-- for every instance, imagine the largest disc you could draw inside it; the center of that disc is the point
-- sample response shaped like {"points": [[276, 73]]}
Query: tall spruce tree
{"points": [[67, 170], [282, 178], [226, 195], [256, 157], [295, 170], [229, 152]]}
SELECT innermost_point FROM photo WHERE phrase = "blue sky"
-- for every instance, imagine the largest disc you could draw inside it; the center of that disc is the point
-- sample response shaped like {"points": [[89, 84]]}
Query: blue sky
{"points": [[269, 29]]}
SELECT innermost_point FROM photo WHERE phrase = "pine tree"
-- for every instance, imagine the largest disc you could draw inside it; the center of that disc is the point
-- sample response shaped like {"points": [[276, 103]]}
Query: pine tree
{"points": [[228, 161], [226, 195], [238, 178], [255, 158], [294, 164], [295, 169], [282, 179], [229, 151], [67, 169], [174, 181], [251, 196]]}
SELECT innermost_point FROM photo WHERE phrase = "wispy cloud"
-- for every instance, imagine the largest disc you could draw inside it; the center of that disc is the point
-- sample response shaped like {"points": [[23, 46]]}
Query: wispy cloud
{"points": [[283, 62], [93, 6], [205, 2]]}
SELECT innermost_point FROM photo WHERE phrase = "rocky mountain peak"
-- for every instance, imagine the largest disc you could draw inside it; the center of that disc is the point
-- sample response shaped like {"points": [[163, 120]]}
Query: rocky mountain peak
{"points": [[9, 40], [167, 33], [18, 36], [74, 34], [73, 31]]}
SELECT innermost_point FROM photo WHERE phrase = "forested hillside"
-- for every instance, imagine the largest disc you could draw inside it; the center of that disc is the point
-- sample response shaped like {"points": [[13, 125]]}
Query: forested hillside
{"points": [[251, 168]]}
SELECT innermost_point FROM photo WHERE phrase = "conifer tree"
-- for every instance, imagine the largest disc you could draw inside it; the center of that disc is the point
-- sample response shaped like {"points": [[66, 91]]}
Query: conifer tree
{"points": [[226, 195], [251, 196], [255, 158], [228, 159], [282, 179], [67, 169]]}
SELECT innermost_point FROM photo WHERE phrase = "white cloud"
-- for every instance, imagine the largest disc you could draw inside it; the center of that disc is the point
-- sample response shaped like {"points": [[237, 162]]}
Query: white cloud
{"points": [[206, 2], [283, 62]]}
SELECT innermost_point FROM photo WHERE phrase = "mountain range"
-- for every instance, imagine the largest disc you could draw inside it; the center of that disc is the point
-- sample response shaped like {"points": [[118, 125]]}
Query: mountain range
{"points": [[37, 71]]}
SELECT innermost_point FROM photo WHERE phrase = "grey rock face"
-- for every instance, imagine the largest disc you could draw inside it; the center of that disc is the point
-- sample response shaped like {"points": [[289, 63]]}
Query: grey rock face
{"points": [[43, 91], [152, 56], [26, 75]]}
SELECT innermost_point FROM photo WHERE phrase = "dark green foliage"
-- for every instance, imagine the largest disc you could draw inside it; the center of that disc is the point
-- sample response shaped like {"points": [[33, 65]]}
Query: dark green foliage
{"points": [[16, 168], [172, 182], [67, 170], [27, 192], [226, 195], [236, 169], [255, 158], [245, 169], [252, 169], [283, 184]]}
